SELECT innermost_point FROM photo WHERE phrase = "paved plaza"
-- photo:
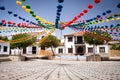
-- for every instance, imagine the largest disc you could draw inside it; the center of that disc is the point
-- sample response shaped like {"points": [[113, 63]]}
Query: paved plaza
{"points": [[59, 70]]}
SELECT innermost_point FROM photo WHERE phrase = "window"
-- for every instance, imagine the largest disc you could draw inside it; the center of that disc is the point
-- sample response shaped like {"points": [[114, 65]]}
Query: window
{"points": [[60, 50], [42, 48], [5, 49], [70, 50], [42, 36], [102, 49], [90, 50], [70, 39], [33, 50], [79, 40], [0, 48]]}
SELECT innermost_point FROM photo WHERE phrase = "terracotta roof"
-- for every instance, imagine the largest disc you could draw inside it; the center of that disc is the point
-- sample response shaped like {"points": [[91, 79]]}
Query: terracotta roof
{"points": [[0, 28], [61, 44], [3, 41], [80, 33], [114, 42]]}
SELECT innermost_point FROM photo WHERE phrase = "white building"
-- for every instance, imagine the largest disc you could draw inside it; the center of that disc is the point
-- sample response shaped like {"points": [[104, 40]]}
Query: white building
{"points": [[4, 47], [74, 44]]}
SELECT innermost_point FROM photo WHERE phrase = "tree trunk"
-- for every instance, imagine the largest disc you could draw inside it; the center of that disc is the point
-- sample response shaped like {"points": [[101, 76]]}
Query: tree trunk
{"points": [[20, 51], [52, 51]]}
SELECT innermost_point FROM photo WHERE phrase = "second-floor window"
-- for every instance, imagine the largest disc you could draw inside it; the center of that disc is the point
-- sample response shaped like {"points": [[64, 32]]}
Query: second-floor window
{"points": [[70, 39], [79, 40]]}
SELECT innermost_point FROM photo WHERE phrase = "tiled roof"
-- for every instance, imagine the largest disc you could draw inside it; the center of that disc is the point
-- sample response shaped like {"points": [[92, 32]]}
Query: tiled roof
{"points": [[80, 33], [61, 44], [114, 42], [3, 41]]}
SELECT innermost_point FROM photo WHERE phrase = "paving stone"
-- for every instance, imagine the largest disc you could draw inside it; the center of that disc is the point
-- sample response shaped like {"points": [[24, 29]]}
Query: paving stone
{"points": [[54, 70]]}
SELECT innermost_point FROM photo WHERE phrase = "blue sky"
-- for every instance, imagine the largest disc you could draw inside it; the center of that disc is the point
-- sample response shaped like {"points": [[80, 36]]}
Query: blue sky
{"points": [[47, 9]]}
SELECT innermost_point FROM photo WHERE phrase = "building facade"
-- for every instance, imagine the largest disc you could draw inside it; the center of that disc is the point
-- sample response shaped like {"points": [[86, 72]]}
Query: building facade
{"points": [[4, 47], [74, 44]]}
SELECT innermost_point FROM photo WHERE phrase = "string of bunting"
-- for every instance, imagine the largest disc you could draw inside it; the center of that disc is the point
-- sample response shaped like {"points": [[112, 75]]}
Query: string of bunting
{"points": [[42, 22], [97, 17], [98, 21], [101, 36], [17, 16], [90, 6], [59, 10], [114, 31], [27, 38], [14, 24], [13, 31]]}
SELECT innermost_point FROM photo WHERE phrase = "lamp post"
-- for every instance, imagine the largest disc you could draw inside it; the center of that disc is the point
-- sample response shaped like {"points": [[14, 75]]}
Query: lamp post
{"points": [[94, 49]]}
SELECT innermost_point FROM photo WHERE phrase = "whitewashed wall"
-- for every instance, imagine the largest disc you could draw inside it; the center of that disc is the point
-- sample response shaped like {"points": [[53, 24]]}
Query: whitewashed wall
{"points": [[29, 49], [56, 50], [97, 48], [69, 45], [106, 48], [16, 51], [86, 47]]}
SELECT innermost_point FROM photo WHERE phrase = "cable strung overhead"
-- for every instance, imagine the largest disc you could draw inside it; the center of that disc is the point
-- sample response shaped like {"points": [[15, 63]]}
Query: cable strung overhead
{"points": [[86, 25]]}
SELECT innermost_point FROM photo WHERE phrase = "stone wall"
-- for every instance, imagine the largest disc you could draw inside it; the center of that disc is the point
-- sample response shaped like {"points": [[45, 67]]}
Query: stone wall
{"points": [[114, 53]]}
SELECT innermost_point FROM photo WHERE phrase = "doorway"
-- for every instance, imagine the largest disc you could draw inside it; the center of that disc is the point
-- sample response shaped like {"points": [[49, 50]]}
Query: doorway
{"points": [[24, 50], [33, 50], [80, 50]]}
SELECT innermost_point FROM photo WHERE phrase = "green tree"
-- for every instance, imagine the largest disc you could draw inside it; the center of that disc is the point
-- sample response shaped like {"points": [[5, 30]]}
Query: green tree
{"points": [[4, 38], [21, 41], [115, 47], [96, 38], [51, 42]]}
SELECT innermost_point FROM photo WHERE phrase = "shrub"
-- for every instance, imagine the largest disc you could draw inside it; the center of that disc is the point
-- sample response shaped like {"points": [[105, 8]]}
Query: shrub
{"points": [[115, 47]]}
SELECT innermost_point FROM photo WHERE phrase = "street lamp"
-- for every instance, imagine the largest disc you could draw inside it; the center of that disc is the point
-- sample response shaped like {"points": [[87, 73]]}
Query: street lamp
{"points": [[94, 48]]}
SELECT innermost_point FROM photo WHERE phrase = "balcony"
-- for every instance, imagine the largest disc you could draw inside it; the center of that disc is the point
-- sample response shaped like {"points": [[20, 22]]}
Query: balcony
{"points": [[78, 42]]}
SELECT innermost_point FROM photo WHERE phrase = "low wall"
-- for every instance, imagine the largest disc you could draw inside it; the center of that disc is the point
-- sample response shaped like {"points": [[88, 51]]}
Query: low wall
{"points": [[114, 53], [17, 58], [94, 58], [45, 52]]}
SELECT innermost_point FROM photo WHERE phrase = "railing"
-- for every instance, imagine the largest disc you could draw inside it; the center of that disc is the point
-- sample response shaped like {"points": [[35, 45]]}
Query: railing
{"points": [[79, 42]]}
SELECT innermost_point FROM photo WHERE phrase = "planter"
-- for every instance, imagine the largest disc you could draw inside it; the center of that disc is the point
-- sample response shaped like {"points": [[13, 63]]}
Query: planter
{"points": [[17, 58]]}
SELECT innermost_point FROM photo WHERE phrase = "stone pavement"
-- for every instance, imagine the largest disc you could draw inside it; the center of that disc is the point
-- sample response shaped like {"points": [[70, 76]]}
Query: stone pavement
{"points": [[59, 70]]}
